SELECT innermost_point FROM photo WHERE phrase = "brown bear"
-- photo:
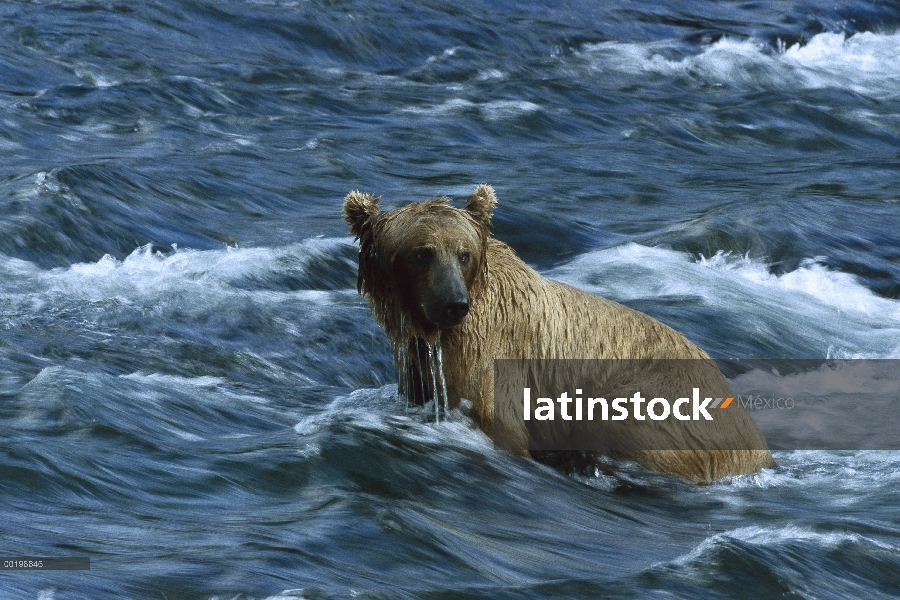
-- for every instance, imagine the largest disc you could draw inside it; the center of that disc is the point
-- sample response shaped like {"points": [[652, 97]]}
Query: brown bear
{"points": [[452, 299]]}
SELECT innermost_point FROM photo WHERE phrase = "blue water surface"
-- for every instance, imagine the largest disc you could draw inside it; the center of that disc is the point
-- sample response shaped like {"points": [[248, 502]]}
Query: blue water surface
{"points": [[193, 394]]}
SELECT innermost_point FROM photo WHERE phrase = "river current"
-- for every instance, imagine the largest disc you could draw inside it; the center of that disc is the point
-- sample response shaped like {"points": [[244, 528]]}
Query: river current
{"points": [[193, 394]]}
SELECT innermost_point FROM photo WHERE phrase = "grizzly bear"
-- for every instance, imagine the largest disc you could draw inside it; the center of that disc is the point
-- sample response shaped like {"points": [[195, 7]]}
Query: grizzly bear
{"points": [[452, 299]]}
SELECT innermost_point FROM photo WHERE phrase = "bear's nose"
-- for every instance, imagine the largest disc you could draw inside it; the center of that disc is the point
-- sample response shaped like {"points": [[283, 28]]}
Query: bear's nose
{"points": [[455, 311]]}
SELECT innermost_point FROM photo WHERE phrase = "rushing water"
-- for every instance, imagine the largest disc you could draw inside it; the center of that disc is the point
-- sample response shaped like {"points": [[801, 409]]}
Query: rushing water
{"points": [[193, 395]]}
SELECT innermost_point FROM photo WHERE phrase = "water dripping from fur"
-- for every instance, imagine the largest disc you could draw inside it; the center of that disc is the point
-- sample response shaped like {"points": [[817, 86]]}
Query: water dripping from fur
{"points": [[420, 372], [440, 370], [432, 365], [404, 367]]}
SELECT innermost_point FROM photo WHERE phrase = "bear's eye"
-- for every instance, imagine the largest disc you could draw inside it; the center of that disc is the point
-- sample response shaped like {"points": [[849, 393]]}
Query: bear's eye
{"points": [[464, 257], [423, 255]]}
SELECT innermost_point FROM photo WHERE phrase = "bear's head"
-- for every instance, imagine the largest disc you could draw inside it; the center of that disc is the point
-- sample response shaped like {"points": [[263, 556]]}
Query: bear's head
{"points": [[421, 265]]}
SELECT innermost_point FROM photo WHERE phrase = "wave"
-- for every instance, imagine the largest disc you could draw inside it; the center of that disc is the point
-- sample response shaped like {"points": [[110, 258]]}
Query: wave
{"points": [[811, 311], [866, 63], [265, 317], [769, 537], [318, 265], [806, 313]]}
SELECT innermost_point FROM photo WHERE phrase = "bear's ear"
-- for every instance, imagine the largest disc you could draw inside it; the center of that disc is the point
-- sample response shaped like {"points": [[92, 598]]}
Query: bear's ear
{"points": [[359, 208], [481, 204]]}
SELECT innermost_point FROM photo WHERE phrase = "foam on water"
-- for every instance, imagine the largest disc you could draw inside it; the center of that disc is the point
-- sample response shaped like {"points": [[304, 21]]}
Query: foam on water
{"points": [[867, 60], [148, 273], [831, 312], [492, 111], [846, 473], [377, 410], [833, 288], [213, 389], [866, 63], [205, 381], [768, 537]]}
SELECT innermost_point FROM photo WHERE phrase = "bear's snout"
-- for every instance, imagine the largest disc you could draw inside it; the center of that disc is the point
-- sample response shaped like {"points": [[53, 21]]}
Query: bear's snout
{"points": [[448, 310], [456, 311], [447, 302]]}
